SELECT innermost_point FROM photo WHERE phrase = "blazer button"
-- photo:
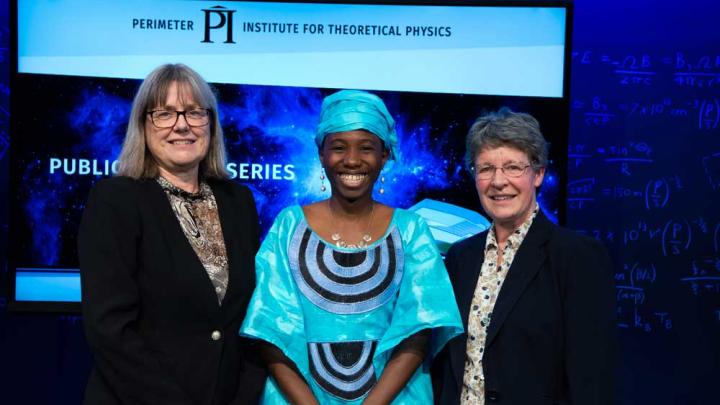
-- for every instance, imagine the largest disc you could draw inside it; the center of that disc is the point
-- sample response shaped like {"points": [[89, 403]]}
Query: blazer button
{"points": [[492, 396], [215, 335]]}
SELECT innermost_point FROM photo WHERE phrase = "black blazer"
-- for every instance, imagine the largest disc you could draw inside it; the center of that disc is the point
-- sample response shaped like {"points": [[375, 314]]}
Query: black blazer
{"points": [[552, 336], [151, 314]]}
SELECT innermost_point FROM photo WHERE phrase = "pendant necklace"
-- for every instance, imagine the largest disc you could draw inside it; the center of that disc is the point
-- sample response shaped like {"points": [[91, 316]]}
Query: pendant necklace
{"points": [[366, 238]]}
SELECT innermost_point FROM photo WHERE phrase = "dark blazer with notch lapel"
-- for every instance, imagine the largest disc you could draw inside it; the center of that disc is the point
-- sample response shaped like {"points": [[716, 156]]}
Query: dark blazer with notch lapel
{"points": [[151, 314], [552, 336]]}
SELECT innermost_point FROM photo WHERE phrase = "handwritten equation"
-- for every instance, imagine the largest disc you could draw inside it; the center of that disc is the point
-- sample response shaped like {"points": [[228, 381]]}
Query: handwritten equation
{"points": [[674, 237], [623, 157], [680, 86], [704, 276], [654, 194], [630, 281], [702, 113], [642, 69], [631, 284]]}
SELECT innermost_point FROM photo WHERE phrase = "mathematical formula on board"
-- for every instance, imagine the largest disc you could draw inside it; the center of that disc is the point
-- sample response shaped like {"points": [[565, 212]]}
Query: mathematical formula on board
{"points": [[673, 237], [635, 281], [631, 284], [679, 68], [644, 178], [676, 86], [700, 113], [654, 194]]}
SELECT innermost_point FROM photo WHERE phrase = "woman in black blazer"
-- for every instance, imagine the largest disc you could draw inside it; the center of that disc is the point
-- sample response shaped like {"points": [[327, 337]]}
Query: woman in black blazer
{"points": [[537, 300], [167, 257]]}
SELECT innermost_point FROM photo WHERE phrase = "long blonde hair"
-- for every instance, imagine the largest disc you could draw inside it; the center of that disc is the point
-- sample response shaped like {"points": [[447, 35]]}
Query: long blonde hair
{"points": [[135, 159]]}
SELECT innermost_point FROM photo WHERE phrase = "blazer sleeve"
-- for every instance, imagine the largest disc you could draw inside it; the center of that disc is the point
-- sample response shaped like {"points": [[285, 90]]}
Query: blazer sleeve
{"points": [[451, 264], [109, 235], [590, 325], [252, 379]]}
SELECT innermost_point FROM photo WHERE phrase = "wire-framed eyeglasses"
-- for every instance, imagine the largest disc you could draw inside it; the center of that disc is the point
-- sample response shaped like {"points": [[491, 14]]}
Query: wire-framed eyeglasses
{"points": [[514, 170], [197, 117]]}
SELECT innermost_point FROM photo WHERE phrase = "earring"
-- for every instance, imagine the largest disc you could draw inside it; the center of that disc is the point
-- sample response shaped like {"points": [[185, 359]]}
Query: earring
{"points": [[322, 180], [382, 185]]}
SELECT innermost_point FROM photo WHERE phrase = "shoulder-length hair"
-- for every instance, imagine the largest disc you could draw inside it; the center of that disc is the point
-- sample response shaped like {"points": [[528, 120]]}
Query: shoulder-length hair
{"points": [[135, 159]]}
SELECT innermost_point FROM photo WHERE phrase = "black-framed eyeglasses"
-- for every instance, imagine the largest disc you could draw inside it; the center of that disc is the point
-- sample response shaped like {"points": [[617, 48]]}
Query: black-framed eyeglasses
{"points": [[197, 117], [510, 170]]}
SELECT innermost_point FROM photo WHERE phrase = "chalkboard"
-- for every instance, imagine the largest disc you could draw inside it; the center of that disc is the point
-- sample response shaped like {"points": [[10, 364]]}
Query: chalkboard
{"points": [[644, 177]]}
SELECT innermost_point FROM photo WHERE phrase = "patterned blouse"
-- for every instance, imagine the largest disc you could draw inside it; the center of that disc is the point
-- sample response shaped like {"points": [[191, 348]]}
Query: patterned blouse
{"points": [[481, 308], [199, 220]]}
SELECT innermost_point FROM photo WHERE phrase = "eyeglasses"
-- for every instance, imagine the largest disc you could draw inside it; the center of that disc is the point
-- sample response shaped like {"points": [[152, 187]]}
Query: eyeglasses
{"points": [[197, 117], [509, 170]]}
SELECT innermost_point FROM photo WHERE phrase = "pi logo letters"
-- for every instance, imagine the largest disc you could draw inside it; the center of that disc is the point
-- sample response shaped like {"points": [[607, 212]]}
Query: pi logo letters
{"points": [[217, 18]]}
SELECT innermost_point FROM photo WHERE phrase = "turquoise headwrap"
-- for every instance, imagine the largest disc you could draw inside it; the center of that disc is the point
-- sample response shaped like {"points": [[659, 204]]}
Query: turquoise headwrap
{"points": [[348, 110]]}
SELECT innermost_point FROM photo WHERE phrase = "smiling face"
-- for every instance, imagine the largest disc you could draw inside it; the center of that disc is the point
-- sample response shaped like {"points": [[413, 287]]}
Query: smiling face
{"points": [[352, 161], [181, 148], [508, 201]]}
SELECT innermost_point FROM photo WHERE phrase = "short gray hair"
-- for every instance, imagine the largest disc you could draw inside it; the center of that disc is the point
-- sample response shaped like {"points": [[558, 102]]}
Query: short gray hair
{"points": [[135, 159], [507, 128]]}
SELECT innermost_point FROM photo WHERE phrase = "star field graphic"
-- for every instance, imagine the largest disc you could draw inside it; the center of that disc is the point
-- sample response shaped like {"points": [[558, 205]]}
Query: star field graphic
{"points": [[277, 124], [274, 125], [68, 139], [92, 130]]}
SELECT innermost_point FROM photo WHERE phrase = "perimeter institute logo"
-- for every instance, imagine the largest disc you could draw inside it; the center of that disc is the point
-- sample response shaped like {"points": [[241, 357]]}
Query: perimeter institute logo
{"points": [[217, 18], [219, 27]]}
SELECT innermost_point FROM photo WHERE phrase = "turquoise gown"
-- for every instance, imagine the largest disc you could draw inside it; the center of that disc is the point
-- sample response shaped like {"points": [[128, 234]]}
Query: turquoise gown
{"points": [[339, 313]]}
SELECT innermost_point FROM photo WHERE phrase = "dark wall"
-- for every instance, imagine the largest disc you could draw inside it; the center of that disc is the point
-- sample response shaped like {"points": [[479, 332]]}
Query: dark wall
{"points": [[43, 357], [644, 177], [644, 171]]}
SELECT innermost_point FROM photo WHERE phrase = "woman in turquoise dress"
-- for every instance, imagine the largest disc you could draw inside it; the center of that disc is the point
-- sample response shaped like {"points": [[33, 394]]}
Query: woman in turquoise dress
{"points": [[352, 298]]}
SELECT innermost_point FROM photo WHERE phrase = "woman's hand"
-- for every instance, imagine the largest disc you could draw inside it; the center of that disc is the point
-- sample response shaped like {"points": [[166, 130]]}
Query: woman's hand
{"points": [[293, 386], [406, 358]]}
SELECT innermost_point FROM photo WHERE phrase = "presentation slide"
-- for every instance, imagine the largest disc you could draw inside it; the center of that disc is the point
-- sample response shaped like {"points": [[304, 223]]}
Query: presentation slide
{"points": [[436, 67]]}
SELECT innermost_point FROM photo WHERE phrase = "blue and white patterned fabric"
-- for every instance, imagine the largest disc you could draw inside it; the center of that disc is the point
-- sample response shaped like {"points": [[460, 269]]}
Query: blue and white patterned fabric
{"points": [[344, 370], [338, 313], [346, 282]]}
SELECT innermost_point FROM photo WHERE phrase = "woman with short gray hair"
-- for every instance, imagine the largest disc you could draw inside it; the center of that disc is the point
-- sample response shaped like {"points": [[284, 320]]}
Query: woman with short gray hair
{"points": [[507, 128], [537, 300]]}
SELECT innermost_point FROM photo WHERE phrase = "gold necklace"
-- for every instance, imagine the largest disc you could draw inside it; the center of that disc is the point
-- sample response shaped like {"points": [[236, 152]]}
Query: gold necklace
{"points": [[366, 238]]}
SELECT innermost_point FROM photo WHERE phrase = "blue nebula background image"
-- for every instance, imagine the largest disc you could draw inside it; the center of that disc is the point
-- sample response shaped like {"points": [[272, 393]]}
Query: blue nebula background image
{"points": [[263, 126], [94, 129], [277, 125]]}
